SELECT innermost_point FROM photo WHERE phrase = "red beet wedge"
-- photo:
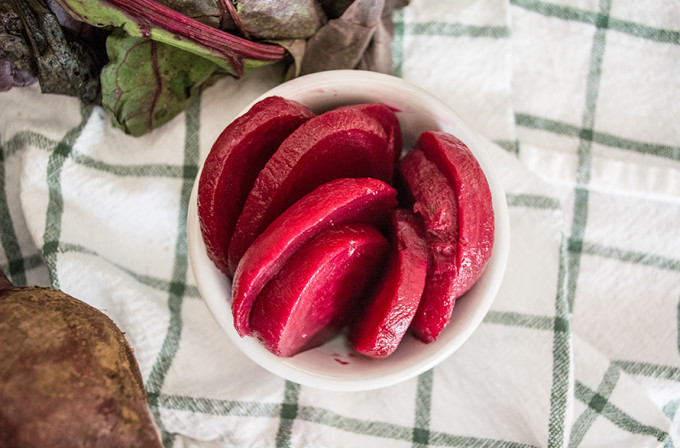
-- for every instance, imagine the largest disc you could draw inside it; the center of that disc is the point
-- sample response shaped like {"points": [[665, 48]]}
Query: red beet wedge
{"points": [[379, 328], [312, 297], [435, 202], [390, 123], [461, 239], [475, 207], [334, 203], [232, 166], [336, 144]]}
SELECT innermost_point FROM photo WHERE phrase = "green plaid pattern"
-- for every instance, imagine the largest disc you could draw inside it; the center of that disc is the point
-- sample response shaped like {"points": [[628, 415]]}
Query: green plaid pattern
{"points": [[581, 347]]}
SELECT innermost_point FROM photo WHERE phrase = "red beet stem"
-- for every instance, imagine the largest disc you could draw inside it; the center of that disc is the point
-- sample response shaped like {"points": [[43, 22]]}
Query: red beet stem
{"points": [[153, 14]]}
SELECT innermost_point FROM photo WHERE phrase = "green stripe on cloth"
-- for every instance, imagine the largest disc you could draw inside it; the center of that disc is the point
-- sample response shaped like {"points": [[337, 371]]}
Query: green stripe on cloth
{"points": [[216, 407], [447, 29], [645, 31], [55, 205], [545, 124], [588, 417], [397, 432], [288, 414], [28, 138], [449, 440], [444, 29], [560, 390], [530, 321], [671, 373], [532, 201], [146, 170], [36, 140], [511, 146], [28, 262], [558, 399], [628, 256], [354, 425], [579, 15], [16, 269], [17, 263], [553, 10], [583, 169], [311, 414], [210, 406], [147, 280], [602, 407], [421, 429], [177, 288], [561, 128]]}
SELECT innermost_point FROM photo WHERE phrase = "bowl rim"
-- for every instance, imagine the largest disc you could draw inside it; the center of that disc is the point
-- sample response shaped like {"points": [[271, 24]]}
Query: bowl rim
{"points": [[213, 285]]}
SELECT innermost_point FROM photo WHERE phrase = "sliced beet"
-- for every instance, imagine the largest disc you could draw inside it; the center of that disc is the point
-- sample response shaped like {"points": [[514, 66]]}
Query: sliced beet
{"points": [[336, 144], [475, 208], [379, 328], [390, 123], [312, 297], [458, 262], [334, 203], [436, 202], [234, 161]]}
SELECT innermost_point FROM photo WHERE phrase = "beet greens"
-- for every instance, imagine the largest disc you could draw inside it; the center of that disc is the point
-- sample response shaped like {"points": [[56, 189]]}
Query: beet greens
{"points": [[143, 60]]}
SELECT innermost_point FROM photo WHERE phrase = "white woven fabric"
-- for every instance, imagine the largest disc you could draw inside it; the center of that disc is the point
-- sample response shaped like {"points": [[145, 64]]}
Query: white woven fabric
{"points": [[581, 100]]}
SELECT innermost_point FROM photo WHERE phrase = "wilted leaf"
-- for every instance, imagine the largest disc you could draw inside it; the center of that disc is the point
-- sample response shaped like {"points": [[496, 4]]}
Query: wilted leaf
{"points": [[342, 42], [13, 46], [378, 54], [272, 19], [10, 77], [147, 83], [61, 66], [335, 8], [296, 49]]}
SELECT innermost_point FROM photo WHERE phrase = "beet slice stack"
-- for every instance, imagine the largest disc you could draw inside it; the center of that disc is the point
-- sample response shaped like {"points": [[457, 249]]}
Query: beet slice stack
{"points": [[339, 143], [295, 207], [451, 194], [337, 202], [313, 296], [379, 328], [234, 161], [390, 123]]}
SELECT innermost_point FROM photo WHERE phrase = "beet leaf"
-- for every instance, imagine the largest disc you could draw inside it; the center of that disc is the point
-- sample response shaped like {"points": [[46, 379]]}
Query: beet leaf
{"points": [[146, 82], [62, 43], [148, 18]]}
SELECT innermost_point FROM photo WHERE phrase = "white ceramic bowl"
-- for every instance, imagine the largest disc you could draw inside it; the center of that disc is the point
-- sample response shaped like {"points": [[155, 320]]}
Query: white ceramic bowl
{"points": [[335, 366]]}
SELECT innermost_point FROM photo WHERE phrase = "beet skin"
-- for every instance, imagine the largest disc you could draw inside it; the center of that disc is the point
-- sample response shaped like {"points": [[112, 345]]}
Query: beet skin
{"points": [[68, 377]]}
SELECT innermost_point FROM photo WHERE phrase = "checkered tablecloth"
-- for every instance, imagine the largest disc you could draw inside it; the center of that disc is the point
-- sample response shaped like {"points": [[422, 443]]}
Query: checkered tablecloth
{"points": [[581, 99]]}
